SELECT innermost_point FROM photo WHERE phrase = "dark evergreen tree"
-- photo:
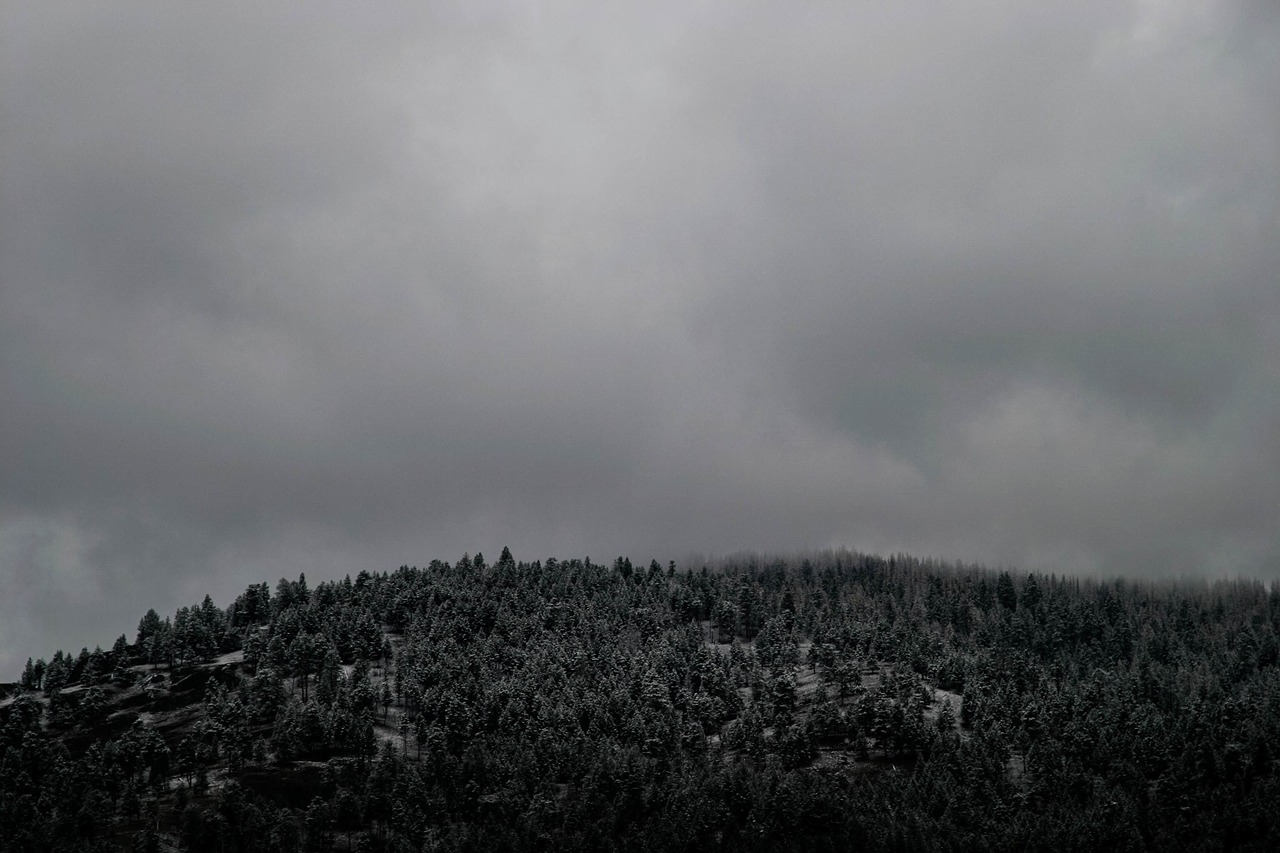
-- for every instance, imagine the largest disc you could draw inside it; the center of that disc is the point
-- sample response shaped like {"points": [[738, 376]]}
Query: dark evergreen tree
{"points": [[1005, 592]]}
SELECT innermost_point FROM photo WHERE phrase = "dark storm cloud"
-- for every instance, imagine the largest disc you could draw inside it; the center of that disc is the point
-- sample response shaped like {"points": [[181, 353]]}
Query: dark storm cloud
{"points": [[318, 289]]}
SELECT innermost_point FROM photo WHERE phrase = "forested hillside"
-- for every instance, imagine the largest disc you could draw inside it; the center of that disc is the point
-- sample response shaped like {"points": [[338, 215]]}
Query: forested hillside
{"points": [[837, 702]]}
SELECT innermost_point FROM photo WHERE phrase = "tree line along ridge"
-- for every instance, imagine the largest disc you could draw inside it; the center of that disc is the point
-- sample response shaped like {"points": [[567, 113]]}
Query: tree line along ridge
{"points": [[832, 700]]}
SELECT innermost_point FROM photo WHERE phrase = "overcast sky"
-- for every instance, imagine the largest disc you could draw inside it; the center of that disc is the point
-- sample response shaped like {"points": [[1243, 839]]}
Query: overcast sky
{"points": [[305, 288]]}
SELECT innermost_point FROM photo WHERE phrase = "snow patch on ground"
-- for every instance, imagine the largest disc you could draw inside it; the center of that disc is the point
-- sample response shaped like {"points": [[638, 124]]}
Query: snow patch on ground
{"points": [[229, 657], [934, 709]]}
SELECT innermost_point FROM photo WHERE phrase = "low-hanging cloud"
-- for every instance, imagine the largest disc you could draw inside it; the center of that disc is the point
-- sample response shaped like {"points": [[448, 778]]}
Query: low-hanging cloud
{"points": [[337, 289]]}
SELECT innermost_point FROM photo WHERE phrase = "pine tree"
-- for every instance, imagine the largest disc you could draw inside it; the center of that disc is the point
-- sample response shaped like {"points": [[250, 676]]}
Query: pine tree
{"points": [[1005, 593], [29, 680]]}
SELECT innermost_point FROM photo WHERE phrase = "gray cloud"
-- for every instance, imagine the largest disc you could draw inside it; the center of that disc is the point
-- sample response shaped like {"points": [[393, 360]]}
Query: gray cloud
{"points": [[320, 291]]}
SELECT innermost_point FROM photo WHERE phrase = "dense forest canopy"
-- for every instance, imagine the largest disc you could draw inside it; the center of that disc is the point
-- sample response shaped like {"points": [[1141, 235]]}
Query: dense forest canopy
{"points": [[832, 701]]}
